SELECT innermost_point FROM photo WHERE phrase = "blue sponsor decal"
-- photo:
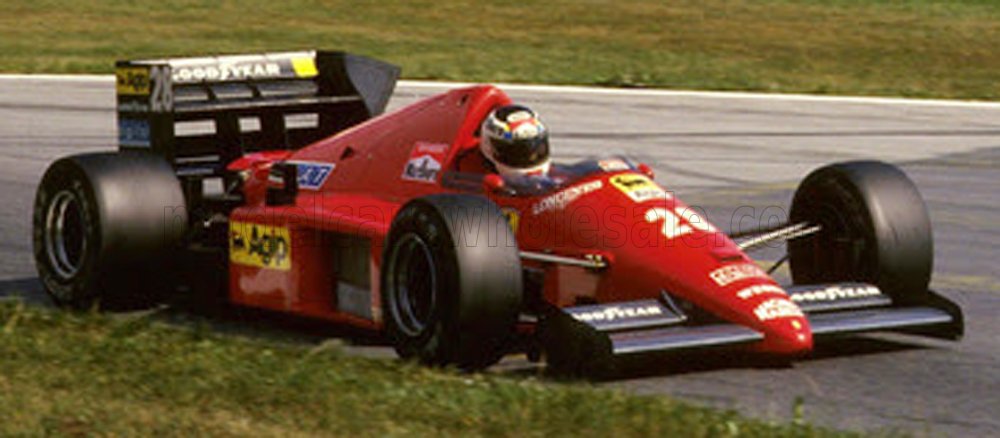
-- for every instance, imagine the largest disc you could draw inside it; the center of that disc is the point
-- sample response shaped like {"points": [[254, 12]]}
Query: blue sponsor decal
{"points": [[313, 175], [133, 133]]}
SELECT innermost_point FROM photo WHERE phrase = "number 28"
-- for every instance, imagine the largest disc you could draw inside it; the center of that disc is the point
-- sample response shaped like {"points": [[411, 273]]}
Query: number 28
{"points": [[678, 222]]}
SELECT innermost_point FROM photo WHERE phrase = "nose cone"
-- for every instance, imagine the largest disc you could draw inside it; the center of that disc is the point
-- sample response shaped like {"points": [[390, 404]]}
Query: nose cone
{"points": [[786, 330]]}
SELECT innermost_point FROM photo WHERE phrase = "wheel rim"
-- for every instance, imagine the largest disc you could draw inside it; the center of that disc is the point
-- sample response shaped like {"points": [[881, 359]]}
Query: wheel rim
{"points": [[65, 239], [839, 247], [412, 285]]}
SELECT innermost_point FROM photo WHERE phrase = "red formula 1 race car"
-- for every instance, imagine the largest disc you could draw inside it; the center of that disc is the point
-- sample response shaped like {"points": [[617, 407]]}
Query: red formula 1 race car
{"points": [[276, 182]]}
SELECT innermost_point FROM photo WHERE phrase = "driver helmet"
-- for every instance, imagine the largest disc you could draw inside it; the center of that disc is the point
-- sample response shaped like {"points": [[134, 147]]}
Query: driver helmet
{"points": [[515, 141]]}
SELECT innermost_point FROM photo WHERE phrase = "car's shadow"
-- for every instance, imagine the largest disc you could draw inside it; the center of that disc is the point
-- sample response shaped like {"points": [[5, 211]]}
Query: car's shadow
{"points": [[699, 362], [661, 365], [220, 318], [276, 326]]}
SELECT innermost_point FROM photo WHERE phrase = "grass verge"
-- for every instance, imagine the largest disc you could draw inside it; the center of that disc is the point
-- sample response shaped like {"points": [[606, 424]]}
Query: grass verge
{"points": [[920, 48], [89, 374]]}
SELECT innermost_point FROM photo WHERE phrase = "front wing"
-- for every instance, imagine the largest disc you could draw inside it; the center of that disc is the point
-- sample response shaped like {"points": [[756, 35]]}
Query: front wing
{"points": [[658, 325]]}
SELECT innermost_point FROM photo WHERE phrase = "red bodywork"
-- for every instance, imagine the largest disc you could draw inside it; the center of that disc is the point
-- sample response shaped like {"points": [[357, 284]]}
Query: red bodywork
{"points": [[651, 243]]}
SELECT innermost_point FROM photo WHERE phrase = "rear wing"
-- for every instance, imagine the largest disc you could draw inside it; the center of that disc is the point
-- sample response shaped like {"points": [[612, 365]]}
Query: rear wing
{"points": [[202, 113]]}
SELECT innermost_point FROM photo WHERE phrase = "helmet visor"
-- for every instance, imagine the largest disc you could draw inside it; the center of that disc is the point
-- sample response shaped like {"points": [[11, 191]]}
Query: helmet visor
{"points": [[527, 152]]}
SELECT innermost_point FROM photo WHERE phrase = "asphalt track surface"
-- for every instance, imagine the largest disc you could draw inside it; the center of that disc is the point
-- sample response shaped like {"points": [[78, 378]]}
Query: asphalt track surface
{"points": [[721, 152]]}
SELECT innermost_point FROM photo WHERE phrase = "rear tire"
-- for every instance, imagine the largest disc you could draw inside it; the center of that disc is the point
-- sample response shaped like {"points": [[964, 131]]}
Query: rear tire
{"points": [[875, 229], [451, 282], [104, 226]]}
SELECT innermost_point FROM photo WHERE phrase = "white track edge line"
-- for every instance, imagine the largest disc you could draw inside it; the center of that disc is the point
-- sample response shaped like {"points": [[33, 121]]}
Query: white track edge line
{"points": [[711, 94], [575, 89], [57, 78]]}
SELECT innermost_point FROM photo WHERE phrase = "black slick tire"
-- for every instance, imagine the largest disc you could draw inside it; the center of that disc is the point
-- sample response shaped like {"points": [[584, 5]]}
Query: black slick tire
{"points": [[451, 282], [104, 226], [875, 229]]}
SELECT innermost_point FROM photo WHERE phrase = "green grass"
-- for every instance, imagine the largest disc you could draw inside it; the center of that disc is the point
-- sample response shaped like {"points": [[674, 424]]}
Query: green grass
{"points": [[89, 374], [924, 48]]}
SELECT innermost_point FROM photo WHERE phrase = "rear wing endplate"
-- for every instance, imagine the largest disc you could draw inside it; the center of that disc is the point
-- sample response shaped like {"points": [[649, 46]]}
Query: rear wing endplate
{"points": [[202, 113]]}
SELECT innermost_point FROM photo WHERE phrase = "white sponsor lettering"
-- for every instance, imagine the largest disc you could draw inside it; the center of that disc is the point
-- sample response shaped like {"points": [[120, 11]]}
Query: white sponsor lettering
{"points": [[643, 195], [613, 165], [834, 293], [560, 200], [777, 308], [759, 289], [224, 72], [133, 106], [733, 273], [438, 149], [617, 312]]}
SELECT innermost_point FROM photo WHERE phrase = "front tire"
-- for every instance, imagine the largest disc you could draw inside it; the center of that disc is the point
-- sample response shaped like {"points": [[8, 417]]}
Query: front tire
{"points": [[451, 282], [875, 229], [103, 227]]}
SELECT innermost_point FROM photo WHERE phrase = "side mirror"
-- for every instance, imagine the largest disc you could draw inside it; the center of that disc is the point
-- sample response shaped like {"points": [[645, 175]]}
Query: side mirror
{"points": [[646, 170], [493, 183], [282, 183]]}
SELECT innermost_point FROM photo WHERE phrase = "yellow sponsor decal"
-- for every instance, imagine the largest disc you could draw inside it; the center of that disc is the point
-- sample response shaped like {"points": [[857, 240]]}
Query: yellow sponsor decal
{"points": [[261, 246], [638, 187], [133, 81], [304, 67], [513, 219]]}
